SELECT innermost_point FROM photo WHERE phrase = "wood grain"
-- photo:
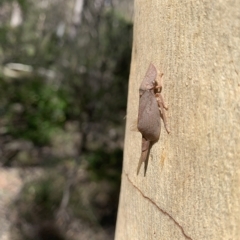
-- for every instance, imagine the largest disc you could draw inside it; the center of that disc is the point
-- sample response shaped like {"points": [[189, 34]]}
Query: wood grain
{"points": [[191, 189]]}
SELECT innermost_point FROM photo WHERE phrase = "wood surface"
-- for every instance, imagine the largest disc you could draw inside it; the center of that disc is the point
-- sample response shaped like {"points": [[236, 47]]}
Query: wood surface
{"points": [[192, 186]]}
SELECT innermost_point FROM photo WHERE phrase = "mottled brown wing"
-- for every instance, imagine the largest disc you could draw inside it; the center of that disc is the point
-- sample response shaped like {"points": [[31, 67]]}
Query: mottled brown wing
{"points": [[149, 116]]}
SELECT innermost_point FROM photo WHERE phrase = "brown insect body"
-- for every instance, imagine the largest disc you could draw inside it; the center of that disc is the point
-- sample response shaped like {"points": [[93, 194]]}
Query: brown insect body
{"points": [[149, 116], [148, 112]]}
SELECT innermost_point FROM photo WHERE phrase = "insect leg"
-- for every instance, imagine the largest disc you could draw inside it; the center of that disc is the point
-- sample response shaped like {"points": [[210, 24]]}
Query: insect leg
{"points": [[159, 84], [162, 106]]}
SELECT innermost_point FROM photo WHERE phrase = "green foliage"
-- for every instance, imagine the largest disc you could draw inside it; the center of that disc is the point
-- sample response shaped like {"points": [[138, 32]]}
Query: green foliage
{"points": [[95, 204], [92, 71], [40, 198], [33, 109], [79, 77], [21, 2], [116, 41], [105, 165]]}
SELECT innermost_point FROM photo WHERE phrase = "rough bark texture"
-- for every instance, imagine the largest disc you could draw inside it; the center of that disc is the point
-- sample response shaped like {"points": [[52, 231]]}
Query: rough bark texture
{"points": [[192, 186]]}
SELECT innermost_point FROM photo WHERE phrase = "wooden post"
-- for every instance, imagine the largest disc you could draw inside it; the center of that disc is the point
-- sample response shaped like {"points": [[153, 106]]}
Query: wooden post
{"points": [[192, 186]]}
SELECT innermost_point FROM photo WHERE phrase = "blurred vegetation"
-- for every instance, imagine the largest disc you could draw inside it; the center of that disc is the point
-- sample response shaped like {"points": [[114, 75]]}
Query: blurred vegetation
{"points": [[65, 99], [33, 109]]}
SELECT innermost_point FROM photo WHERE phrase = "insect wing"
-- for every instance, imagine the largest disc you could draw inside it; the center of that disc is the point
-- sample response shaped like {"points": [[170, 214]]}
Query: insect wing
{"points": [[149, 116], [149, 78]]}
